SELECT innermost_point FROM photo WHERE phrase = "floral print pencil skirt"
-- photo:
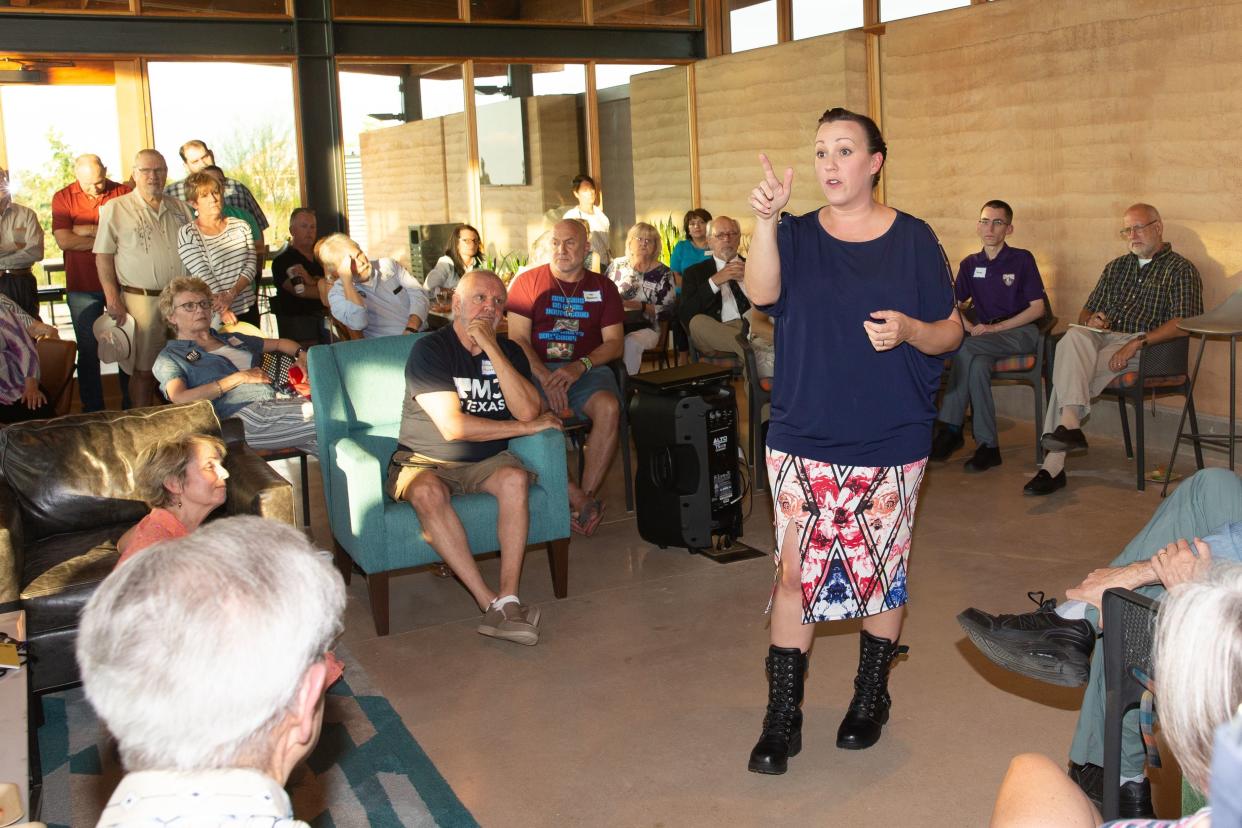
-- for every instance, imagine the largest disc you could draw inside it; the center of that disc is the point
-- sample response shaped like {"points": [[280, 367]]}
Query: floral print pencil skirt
{"points": [[851, 527]]}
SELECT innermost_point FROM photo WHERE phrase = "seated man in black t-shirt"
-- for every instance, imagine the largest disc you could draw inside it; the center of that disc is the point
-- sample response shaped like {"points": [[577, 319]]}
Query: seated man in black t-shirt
{"points": [[296, 273], [467, 393]]}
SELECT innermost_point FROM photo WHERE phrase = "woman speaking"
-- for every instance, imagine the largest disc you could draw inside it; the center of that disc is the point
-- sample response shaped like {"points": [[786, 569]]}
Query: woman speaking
{"points": [[863, 304]]}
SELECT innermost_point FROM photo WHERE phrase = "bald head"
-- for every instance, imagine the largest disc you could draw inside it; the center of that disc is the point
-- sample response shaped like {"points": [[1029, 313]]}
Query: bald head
{"points": [[569, 247], [1143, 230], [480, 295], [90, 174]]}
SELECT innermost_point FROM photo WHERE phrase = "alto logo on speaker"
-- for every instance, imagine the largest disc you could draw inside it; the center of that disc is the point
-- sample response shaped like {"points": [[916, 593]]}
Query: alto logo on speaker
{"points": [[720, 443]]}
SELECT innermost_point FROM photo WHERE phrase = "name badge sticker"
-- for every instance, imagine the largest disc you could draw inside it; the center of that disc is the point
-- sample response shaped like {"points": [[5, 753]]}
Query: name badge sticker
{"points": [[593, 295], [487, 369], [981, 272], [235, 342]]}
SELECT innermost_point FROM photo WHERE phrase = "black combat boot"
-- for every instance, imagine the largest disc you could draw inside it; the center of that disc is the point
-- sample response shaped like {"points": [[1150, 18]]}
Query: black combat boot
{"points": [[869, 708], [782, 725]]}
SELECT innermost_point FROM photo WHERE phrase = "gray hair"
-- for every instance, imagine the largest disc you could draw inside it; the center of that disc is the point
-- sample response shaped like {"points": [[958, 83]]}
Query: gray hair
{"points": [[1197, 654], [331, 249], [192, 652]]}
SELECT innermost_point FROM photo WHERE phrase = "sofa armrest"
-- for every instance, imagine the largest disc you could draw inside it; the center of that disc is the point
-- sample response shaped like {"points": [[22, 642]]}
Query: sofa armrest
{"points": [[544, 453], [255, 488], [358, 477], [232, 432], [10, 545]]}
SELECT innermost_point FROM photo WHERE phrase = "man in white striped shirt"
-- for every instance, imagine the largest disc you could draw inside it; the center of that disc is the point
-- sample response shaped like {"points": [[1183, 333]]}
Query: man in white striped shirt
{"points": [[377, 297]]}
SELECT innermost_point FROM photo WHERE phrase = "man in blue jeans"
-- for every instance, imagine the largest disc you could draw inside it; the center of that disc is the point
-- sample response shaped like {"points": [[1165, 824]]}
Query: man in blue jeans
{"points": [[1061, 644], [75, 215]]}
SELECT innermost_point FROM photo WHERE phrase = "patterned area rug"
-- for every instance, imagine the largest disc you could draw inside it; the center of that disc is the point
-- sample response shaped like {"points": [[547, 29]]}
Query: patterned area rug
{"points": [[367, 770]]}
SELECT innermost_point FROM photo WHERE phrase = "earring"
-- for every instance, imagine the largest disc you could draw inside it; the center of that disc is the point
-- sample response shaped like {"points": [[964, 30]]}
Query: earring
{"points": [[176, 501]]}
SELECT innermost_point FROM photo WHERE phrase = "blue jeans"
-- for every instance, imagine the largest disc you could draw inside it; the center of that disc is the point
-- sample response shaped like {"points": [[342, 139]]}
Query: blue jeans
{"points": [[84, 308]]}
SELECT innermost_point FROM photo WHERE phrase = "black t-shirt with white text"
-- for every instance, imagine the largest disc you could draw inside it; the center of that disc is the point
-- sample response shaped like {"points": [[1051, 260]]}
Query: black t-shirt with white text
{"points": [[439, 362]]}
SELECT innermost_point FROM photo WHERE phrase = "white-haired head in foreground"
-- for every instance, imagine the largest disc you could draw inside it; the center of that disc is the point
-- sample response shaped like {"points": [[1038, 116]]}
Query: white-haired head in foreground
{"points": [[1197, 653], [207, 651]]}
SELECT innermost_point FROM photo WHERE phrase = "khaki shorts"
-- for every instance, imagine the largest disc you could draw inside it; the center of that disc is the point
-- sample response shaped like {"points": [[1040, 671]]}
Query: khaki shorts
{"points": [[150, 329], [461, 477]]}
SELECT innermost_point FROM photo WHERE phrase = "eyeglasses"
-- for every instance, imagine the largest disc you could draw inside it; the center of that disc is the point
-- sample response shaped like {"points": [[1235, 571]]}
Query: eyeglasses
{"points": [[644, 241], [150, 170], [190, 307], [993, 223], [726, 234], [1126, 232]]}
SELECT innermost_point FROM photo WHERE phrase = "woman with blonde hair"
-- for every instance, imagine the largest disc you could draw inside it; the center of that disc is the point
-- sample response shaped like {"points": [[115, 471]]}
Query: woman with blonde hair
{"points": [[646, 285]]}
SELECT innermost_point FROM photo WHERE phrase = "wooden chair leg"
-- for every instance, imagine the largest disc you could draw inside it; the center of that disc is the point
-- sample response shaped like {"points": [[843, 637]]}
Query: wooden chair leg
{"points": [[344, 563], [558, 560], [377, 587]]}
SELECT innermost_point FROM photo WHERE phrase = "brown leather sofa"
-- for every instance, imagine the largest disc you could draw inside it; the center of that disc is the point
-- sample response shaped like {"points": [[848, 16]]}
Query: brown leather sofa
{"points": [[67, 495]]}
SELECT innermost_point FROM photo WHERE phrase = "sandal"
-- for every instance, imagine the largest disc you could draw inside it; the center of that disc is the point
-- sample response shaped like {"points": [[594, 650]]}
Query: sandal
{"points": [[588, 518]]}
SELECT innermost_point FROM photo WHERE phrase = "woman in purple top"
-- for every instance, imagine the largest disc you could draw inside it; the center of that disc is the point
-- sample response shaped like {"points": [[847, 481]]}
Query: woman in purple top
{"points": [[21, 398], [864, 313]]}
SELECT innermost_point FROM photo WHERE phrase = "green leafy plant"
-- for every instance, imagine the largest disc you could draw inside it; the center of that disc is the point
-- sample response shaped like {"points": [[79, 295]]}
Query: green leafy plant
{"points": [[670, 234], [505, 265]]}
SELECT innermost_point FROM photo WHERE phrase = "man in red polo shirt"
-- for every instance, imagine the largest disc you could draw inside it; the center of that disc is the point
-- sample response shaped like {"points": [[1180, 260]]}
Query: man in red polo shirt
{"points": [[75, 214]]}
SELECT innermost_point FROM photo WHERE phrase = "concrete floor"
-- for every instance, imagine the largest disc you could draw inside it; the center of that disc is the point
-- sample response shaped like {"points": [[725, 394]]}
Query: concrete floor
{"points": [[646, 692]]}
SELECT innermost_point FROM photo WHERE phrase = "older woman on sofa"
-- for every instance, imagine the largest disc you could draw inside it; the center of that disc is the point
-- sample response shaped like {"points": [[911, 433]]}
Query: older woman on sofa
{"points": [[183, 481], [21, 398], [199, 363]]}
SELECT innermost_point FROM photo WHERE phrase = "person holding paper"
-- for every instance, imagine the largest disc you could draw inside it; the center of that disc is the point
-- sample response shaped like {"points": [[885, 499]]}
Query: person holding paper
{"points": [[1138, 301]]}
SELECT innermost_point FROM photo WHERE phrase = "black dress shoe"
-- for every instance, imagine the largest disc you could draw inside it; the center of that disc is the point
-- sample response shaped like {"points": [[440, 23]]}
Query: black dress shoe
{"points": [[1041, 644], [985, 458], [945, 443], [1044, 484], [1064, 439], [1135, 800]]}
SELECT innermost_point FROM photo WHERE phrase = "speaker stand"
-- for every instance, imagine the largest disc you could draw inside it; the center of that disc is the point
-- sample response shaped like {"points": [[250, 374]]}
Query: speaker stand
{"points": [[726, 550]]}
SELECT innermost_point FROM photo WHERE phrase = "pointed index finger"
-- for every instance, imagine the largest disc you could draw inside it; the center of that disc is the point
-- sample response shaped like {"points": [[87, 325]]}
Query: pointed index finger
{"points": [[769, 174]]}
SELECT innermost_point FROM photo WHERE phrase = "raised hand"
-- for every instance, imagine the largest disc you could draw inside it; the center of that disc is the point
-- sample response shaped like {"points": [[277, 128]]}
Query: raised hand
{"points": [[771, 195]]}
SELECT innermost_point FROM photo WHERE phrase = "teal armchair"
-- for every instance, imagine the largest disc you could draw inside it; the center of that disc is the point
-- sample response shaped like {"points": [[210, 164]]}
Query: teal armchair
{"points": [[358, 390]]}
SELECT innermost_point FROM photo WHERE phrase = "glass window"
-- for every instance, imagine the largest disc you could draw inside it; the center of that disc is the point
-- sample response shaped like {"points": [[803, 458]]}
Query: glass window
{"points": [[644, 12], [397, 9], [752, 23], [251, 135], [817, 17], [545, 10], [404, 136], [532, 115], [898, 9], [41, 153], [609, 75], [75, 5], [214, 8]]}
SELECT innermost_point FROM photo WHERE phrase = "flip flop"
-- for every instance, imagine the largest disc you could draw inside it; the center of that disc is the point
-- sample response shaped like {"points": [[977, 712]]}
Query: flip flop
{"points": [[588, 518]]}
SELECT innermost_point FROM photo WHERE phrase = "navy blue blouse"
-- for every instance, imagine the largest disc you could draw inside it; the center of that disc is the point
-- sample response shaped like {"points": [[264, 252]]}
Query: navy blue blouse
{"points": [[835, 399]]}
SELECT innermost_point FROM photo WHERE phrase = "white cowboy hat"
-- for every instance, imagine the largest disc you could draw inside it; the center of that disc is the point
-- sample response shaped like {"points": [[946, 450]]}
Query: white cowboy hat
{"points": [[116, 342]]}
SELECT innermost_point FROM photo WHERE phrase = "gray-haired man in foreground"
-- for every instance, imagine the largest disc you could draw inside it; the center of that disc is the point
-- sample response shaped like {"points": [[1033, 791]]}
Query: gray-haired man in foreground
{"points": [[206, 658]]}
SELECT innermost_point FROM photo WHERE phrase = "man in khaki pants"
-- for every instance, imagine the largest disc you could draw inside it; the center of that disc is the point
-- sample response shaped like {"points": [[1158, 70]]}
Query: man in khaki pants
{"points": [[713, 300], [136, 256]]}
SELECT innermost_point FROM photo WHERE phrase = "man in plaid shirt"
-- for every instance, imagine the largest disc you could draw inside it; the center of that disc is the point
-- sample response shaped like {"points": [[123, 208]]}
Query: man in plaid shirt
{"points": [[1138, 301]]}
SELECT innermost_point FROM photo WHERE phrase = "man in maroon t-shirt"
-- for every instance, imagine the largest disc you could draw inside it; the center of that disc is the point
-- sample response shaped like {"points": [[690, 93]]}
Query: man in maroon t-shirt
{"points": [[75, 214], [568, 320]]}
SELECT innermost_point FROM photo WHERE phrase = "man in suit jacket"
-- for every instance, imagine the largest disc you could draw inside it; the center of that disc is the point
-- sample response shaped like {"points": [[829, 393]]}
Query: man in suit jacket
{"points": [[713, 299]]}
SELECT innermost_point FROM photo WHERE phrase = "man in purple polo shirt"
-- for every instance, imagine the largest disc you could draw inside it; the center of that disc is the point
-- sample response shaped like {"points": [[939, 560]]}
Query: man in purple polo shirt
{"points": [[1002, 286]]}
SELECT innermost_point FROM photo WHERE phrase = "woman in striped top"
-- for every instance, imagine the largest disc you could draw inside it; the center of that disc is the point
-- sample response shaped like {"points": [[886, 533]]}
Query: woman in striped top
{"points": [[220, 251]]}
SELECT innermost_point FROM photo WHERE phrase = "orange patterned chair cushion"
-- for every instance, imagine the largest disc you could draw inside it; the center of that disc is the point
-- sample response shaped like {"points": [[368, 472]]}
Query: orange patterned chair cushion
{"points": [[1130, 379], [1015, 363]]}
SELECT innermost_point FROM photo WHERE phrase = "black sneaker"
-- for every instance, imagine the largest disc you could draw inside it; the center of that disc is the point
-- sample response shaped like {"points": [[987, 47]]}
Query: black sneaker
{"points": [[1135, 799], [945, 443], [1044, 484], [1039, 644], [985, 458], [1064, 439]]}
